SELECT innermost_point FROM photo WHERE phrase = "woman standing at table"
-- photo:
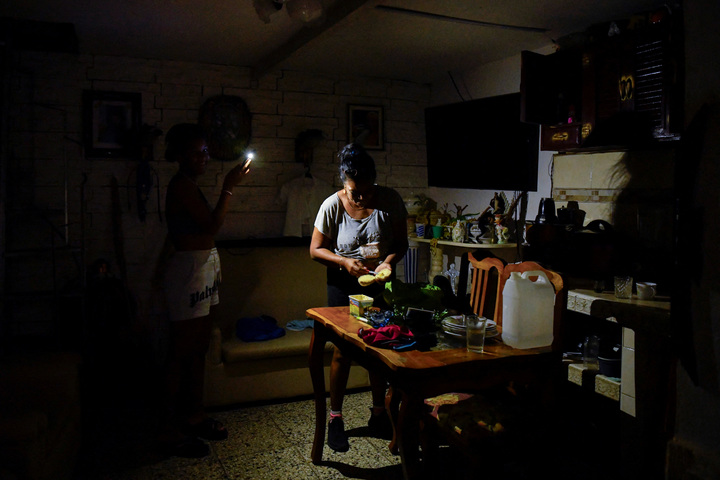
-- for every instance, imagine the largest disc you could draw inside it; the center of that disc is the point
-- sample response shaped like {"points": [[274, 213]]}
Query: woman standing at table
{"points": [[191, 280], [360, 228]]}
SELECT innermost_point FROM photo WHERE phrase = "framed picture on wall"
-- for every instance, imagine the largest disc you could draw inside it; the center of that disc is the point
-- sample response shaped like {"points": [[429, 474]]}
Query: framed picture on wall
{"points": [[111, 124], [365, 126]]}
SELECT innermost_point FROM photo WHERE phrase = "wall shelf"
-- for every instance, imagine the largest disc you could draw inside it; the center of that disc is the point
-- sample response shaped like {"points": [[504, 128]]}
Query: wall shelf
{"points": [[471, 246]]}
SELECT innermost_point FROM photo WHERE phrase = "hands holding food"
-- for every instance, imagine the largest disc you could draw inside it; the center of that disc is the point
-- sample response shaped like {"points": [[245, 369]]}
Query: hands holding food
{"points": [[369, 278]]}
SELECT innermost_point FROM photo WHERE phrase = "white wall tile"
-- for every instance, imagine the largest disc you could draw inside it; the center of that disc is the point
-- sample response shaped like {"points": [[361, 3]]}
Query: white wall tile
{"points": [[628, 337], [628, 371], [572, 171], [627, 404], [607, 171]]}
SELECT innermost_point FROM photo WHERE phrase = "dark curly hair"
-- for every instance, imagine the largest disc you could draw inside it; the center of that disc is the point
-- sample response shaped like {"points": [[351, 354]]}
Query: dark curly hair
{"points": [[356, 164], [180, 137]]}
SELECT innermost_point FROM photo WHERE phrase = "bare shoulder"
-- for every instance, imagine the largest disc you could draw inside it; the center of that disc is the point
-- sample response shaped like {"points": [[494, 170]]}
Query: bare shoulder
{"points": [[181, 190], [181, 183]]}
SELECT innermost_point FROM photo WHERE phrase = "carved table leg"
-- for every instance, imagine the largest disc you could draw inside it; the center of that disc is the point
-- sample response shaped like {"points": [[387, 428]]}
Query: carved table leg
{"points": [[392, 404], [407, 432], [317, 374]]}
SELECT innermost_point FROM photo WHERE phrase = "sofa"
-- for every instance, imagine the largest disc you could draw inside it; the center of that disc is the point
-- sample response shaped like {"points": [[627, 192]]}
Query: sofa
{"points": [[40, 416], [275, 278]]}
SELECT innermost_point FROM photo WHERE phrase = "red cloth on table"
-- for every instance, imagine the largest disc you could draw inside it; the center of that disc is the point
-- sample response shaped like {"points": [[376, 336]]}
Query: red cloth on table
{"points": [[388, 336]]}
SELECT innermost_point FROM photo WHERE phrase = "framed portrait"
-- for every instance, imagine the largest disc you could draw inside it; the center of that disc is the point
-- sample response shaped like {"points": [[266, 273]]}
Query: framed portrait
{"points": [[111, 124], [365, 126]]}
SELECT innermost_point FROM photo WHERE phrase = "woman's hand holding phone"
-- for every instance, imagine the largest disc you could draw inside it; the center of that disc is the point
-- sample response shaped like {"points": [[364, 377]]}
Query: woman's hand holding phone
{"points": [[235, 176]]}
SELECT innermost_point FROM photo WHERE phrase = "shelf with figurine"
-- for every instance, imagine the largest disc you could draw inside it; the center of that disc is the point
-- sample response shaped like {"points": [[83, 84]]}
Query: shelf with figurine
{"points": [[463, 244], [489, 229]]}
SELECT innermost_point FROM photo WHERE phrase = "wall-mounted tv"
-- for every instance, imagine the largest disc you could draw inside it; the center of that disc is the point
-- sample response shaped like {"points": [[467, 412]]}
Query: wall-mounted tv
{"points": [[482, 144]]}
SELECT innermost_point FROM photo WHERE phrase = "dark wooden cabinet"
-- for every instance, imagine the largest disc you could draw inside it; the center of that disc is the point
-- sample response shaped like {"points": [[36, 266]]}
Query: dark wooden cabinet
{"points": [[619, 90], [557, 93]]}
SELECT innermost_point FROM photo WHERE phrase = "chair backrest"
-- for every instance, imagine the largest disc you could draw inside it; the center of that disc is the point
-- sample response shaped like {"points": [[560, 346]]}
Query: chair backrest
{"points": [[485, 292], [560, 294]]}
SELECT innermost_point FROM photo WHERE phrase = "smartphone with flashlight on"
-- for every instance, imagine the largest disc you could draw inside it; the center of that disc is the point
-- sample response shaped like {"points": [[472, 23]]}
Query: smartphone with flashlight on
{"points": [[248, 158]]}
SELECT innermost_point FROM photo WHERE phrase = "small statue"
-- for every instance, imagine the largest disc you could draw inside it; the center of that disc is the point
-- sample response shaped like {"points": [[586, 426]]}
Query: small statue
{"points": [[436, 259], [501, 231], [497, 204], [452, 273], [503, 234]]}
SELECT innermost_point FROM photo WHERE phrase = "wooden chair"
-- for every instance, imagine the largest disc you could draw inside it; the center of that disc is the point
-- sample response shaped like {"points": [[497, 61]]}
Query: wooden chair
{"points": [[485, 294], [505, 414]]}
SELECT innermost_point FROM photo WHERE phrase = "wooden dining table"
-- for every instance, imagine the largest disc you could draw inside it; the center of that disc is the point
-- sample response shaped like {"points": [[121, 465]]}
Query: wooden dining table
{"points": [[413, 376]]}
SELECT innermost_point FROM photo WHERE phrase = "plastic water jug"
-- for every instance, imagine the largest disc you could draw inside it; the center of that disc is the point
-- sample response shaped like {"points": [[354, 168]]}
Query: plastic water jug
{"points": [[528, 310]]}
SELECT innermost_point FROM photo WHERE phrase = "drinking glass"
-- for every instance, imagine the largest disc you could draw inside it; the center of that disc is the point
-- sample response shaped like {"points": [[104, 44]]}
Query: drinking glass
{"points": [[623, 287], [475, 332]]}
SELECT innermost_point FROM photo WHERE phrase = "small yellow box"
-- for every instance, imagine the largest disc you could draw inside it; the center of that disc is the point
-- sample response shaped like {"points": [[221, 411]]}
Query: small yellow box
{"points": [[359, 304]]}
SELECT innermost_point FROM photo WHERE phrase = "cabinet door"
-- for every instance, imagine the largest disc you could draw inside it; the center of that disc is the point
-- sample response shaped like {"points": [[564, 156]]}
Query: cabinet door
{"points": [[536, 100], [551, 88], [659, 81], [560, 137], [557, 94]]}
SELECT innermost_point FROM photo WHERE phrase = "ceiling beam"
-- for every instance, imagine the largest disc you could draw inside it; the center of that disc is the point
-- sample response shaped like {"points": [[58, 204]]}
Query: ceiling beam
{"points": [[436, 16], [334, 14]]}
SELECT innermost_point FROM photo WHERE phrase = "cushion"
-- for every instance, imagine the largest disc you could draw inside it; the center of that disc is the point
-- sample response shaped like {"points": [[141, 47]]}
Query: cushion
{"points": [[292, 344], [258, 329]]}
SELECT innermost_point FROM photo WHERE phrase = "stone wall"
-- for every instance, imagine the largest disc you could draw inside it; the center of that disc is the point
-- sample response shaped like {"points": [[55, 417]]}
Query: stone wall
{"points": [[49, 175]]}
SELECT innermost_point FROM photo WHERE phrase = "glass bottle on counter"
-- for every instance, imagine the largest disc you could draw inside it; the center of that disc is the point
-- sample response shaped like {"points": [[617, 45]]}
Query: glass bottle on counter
{"points": [[591, 349]]}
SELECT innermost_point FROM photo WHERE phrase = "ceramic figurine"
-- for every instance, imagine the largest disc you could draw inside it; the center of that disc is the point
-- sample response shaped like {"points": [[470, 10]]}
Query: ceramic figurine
{"points": [[503, 234], [452, 274], [475, 232]]}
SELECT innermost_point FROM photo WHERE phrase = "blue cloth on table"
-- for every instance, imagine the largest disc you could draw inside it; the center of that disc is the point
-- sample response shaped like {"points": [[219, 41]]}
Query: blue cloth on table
{"points": [[299, 325], [256, 329]]}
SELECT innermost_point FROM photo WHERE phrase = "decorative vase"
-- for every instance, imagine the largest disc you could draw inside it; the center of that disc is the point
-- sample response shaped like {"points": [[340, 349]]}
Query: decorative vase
{"points": [[458, 233]]}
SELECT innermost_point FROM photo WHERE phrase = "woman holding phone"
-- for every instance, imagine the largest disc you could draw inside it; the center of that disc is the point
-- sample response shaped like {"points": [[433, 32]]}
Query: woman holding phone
{"points": [[191, 280]]}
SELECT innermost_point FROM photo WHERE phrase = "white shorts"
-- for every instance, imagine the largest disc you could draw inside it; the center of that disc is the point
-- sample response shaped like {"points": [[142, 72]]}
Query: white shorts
{"points": [[191, 283]]}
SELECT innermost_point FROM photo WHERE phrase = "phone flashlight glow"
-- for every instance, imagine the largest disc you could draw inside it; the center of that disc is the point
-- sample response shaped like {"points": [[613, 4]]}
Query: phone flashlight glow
{"points": [[248, 158]]}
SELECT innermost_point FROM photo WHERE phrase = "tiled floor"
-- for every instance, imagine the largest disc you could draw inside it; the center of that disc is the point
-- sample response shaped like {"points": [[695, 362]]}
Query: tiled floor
{"points": [[267, 442], [273, 442]]}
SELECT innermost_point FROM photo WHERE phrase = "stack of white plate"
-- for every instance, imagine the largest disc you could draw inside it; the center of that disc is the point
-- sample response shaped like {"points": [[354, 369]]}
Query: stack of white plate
{"points": [[455, 326]]}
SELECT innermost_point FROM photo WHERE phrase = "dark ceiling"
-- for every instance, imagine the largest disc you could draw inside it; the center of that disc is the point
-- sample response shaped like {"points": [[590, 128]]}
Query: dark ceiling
{"points": [[375, 38]]}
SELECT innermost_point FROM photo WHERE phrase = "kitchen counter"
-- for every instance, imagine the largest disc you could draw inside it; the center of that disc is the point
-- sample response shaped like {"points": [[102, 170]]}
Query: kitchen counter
{"points": [[650, 316], [647, 381]]}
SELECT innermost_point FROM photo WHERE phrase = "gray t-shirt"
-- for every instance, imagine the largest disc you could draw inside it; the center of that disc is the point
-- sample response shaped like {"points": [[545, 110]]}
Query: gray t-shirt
{"points": [[368, 239]]}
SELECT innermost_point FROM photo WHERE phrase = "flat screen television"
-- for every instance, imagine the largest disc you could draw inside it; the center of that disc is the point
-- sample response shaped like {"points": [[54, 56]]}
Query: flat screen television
{"points": [[482, 144]]}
